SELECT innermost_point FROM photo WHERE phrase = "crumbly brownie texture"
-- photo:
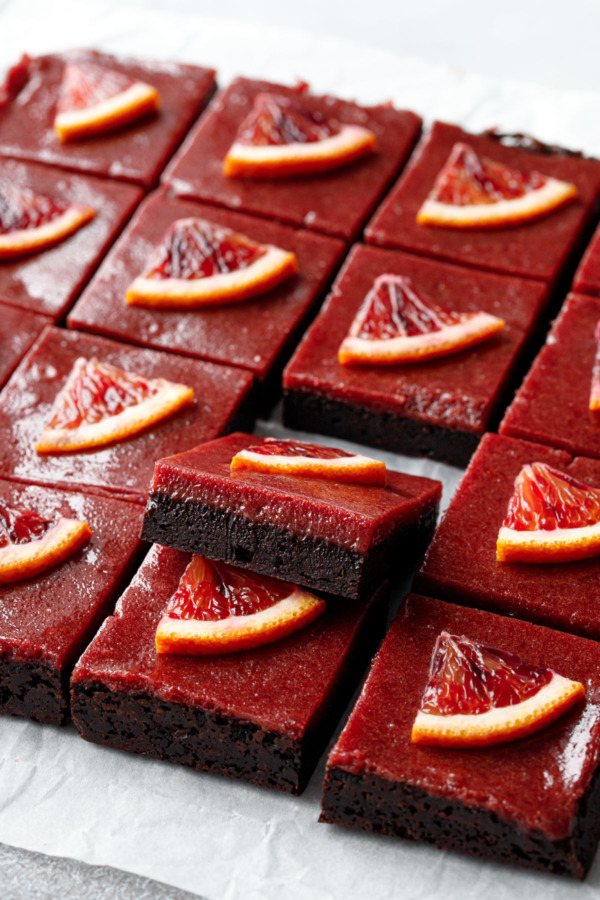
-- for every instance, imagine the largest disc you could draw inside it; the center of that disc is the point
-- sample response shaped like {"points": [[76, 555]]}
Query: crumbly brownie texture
{"points": [[335, 203], [339, 538], [262, 715], [546, 248], [310, 561], [121, 469], [534, 802], [137, 152], [461, 566], [438, 407], [50, 280], [46, 621], [19, 331], [552, 406], [258, 334]]}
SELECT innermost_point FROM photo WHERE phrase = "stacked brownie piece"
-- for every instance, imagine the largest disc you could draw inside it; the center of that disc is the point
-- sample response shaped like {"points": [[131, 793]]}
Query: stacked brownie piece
{"points": [[264, 714]]}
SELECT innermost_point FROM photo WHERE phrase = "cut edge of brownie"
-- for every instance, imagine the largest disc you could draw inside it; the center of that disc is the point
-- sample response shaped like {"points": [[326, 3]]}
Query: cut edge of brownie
{"points": [[305, 411], [374, 804], [217, 743], [34, 690], [309, 561]]}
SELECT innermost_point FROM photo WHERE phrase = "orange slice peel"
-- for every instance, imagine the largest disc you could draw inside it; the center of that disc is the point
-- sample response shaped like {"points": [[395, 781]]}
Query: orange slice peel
{"points": [[200, 264], [218, 609], [301, 459], [395, 324], [94, 100], [30, 221], [101, 404], [475, 192], [551, 517], [30, 544], [281, 139], [477, 696]]}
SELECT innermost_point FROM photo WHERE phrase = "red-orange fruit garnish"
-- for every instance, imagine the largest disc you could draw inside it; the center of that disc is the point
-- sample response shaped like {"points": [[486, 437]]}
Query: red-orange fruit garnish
{"points": [[94, 100], [595, 390], [31, 544], [297, 458], [220, 609], [281, 138], [551, 517], [198, 264], [30, 221], [475, 192], [477, 695], [101, 404], [397, 324]]}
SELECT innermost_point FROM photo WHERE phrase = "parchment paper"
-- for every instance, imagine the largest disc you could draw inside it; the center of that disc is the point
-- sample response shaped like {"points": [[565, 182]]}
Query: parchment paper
{"points": [[223, 839]]}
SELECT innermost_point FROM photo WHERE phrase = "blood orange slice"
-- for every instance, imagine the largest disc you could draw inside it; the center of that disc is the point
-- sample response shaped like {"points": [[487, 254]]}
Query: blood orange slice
{"points": [[395, 324], [198, 263], [595, 391], [475, 192], [551, 517], [101, 404], [477, 695], [220, 609], [297, 458], [31, 544], [30, 221], [94, 100], [280, 139]]}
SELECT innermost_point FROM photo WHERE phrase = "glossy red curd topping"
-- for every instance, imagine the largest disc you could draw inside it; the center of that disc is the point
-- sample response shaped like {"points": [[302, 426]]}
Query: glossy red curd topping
{"points": [[351, 515], [274, 447], [195, 248], [467, 178], [53, 616], [556, 594], [277, 120], [546, 499], [223, 591], [85, 84], [467, 677], [21, 208], [537, 781], [96, 391], [283, 687], [21, 526]]}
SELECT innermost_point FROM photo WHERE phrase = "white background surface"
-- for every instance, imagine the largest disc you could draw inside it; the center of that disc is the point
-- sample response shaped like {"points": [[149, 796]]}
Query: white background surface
{"points": [[226, 840]]}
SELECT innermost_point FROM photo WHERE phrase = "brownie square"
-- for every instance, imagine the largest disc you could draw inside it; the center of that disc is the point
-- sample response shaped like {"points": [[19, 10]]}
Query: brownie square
{"points": [[49, 280], [439, 407], [552, 406], [137, 152], [587, 276], [336, 203], [343, 539], [47, 621], [256, 334], [533, 801], [461, 565], [263, 715], [19, 331], [125, 468], [542, 249]]}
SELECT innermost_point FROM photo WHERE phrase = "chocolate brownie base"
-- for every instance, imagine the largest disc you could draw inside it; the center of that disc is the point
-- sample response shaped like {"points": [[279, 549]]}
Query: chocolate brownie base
{"points": [[34, 690], [374, 804], [311, 412], [312, 562], [205, 740]]}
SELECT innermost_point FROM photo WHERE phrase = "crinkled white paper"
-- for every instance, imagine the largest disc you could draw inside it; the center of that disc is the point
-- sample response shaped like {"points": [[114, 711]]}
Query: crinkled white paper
{"points": [[220, 838]]}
